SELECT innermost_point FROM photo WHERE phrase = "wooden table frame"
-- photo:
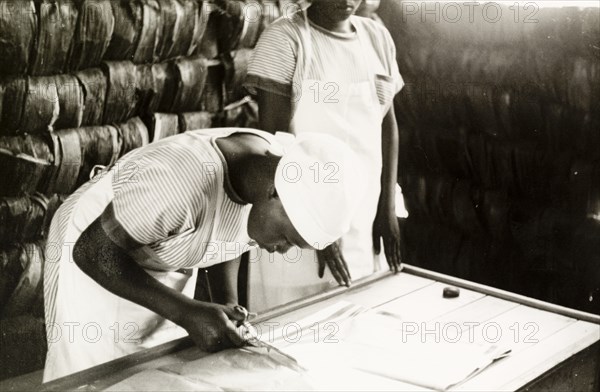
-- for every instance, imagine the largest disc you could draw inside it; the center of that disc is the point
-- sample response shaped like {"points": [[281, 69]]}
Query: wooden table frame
{"points": [[555, 376]]}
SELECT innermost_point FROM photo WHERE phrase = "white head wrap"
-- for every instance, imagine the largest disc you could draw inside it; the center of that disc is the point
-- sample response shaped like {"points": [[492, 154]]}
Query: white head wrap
{"points": [[320, 183]]}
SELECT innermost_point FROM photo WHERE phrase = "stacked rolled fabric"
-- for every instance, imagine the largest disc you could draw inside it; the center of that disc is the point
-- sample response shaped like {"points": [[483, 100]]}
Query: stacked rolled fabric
{"points": [[501, 110], [84, 82]]}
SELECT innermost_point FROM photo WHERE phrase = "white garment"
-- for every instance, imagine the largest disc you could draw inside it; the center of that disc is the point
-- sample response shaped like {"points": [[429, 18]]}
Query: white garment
{"points": [[86, 324], [95, 326], [354, 114]]}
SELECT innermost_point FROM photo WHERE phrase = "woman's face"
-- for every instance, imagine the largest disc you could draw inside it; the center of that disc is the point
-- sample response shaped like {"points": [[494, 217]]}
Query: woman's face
{"points": [[335, 10], [270, 227]]}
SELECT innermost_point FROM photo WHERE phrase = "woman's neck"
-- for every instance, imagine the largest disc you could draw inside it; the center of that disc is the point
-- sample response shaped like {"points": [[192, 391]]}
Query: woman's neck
{"points": [[321, 20]]}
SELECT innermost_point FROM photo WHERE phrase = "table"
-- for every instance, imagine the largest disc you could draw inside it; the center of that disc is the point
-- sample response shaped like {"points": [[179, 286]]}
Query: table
{"points": [[555, 348]]}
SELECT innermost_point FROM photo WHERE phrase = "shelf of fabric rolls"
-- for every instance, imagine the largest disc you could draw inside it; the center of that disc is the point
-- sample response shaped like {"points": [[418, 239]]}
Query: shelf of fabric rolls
{"points": [[81, 84]]}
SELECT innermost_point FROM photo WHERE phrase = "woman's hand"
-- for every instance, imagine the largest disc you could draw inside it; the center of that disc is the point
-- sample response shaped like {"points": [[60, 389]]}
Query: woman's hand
{"points": [[386, 227], [333, 258], [212, 326]]}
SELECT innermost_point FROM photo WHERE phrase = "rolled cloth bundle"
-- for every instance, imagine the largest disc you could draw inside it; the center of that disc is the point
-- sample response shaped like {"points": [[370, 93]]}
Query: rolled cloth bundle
{"points": [[126, 34], [200, 26], [11, 269], [208, 46], [235, 71], [41, 108], [165, 85], [21, 173], [78, 150], [29, 287], [134, 134], [149, 33], [194, 120], [191, 75], [50, 102], [57, 23], [212, 96], [100, 145], [71, 101], [31, 145], [18, 29], [166, 29], [67, 162], [14, 91], [121, 99], [22, 218], [239, 24], [163, 125], [184, 30], [145, 89], [24, 163], [95, 26], [94, 84]]}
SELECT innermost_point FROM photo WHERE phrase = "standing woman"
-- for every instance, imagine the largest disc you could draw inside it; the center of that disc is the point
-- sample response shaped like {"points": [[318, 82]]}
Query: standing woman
{"points": [[327, 70]]}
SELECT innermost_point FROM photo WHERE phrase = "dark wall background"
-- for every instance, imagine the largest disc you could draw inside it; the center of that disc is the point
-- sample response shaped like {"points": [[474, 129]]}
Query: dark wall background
{"points": [[82, 82], [500, 145]]}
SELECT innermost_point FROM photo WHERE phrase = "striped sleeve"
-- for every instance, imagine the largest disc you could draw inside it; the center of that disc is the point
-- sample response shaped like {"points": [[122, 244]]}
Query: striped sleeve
{"points": [[152, 201], [273, 62]]}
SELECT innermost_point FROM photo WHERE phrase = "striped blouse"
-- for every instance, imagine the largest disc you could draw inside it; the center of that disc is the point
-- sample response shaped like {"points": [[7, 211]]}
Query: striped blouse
{"points": [[168, 209], [278, 62], [170, 205]]}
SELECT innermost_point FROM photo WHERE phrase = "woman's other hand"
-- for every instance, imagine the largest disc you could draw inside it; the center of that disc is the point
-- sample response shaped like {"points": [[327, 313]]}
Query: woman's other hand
{"points": [[386, 227], [333, 258]]}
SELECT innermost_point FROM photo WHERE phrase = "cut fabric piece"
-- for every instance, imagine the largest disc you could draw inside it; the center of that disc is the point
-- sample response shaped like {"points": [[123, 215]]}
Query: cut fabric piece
{"points": [[249, 368]]}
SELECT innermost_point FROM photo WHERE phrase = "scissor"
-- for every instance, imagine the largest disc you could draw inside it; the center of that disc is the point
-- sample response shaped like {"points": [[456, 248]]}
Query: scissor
{"points": [[250, 335]]}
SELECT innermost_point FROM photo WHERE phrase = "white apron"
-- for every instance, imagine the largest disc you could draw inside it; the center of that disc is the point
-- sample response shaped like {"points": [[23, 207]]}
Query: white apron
{"points": [[92, 325], [354, 115]]}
